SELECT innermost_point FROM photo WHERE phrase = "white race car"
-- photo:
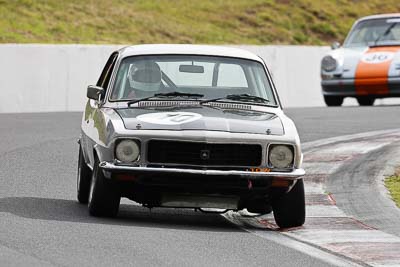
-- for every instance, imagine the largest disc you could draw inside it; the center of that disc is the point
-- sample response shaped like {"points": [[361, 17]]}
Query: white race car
{"points": [[367, 67], [188, 126]]}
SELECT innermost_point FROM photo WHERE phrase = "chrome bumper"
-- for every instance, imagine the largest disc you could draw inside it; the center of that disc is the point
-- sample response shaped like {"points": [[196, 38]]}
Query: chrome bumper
{"points": [[111, 167]]}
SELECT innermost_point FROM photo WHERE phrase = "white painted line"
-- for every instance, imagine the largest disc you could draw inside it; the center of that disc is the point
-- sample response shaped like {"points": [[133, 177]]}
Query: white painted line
{"points": [[343, 138], [313, 188], [302, 247], [314, 242], [321, 167], [310, 240], [322, 237], [386, 263], [324, 211], [361, 147], [252, 225]]}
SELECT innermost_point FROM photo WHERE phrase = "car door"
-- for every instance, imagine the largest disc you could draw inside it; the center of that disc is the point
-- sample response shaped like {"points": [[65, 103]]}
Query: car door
{"points": [[93, 123]]}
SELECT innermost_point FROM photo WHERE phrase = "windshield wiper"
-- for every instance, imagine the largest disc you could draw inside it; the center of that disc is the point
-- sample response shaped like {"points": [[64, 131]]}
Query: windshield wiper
{"points": [[167, 95], [239, 98], [391, 26]]}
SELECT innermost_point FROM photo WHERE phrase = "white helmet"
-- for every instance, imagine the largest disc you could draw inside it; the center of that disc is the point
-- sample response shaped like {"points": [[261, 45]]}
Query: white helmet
{"points": [[145, 76]]}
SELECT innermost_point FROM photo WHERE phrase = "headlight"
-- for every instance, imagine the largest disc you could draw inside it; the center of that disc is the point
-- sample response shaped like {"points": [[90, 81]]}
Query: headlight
{"points": [[280, 156], [127, 151], [329, 63]]}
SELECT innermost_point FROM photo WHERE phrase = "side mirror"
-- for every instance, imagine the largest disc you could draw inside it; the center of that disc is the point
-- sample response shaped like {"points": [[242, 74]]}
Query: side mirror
{"points": [[95, 92], [335, 45]]}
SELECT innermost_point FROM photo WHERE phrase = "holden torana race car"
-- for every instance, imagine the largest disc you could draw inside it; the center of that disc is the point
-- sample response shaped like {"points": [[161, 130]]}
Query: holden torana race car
{"points": [[367, 67], [189, 126]]}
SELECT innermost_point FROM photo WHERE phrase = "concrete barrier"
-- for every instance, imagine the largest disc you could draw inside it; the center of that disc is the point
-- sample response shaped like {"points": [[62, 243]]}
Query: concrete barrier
{"points": [[45, 78], [41, 78], [296, 72]]}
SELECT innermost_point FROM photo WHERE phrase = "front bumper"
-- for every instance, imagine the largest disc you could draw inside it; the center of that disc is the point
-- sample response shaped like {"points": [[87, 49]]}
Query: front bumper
{"points": [[113, 168], [389, 87]]}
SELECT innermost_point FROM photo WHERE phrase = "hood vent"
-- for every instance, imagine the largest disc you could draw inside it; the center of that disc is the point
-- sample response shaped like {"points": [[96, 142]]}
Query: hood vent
{"points": [[229, 105], [146, 104]]}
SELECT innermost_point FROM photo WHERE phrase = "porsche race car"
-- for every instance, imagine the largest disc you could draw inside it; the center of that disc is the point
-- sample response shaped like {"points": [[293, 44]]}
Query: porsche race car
{"points": [[367, 66]]}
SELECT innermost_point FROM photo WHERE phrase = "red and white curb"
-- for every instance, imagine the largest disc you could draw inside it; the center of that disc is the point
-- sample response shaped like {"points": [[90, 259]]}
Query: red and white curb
{"points": [[327, 227]]}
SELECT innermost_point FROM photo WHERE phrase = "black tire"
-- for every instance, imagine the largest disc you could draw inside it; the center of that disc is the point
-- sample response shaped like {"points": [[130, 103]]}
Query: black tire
{"points": [[83, 178], [104, 196], [290, 208], [365, 100], [333, 101]]}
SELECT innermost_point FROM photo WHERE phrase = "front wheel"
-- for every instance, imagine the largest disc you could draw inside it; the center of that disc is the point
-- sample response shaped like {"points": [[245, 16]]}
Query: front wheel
{"points": [[290, 208], [83, 179], [104, 195], [365, 100], [333, 101]]}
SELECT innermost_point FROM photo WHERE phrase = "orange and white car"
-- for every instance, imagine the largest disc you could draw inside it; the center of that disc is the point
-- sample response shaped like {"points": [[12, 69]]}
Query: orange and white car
{"points": [[367, 66]]}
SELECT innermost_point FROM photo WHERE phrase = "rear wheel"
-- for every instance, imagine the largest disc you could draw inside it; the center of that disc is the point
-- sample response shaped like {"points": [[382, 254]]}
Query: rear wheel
{"points": [[104, 196], [333, 101], [365, 100], [83, 178], [290, 208]]}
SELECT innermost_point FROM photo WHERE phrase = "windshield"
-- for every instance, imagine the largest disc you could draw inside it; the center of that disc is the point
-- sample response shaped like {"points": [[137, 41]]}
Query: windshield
{"points": [[212, 77], [375, 32]]}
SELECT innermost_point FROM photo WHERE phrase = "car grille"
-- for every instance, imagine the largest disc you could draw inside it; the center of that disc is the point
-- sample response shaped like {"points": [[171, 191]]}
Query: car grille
{"points": [[203, 154]]}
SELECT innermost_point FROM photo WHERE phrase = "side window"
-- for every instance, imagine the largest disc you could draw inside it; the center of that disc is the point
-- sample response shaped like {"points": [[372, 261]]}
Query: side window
{"points": [[396, 33], [231, 75], [107, 71]]}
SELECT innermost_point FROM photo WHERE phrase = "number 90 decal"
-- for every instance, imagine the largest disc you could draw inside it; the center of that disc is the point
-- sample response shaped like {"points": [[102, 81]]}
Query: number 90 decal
{"points": [[377, 57]]}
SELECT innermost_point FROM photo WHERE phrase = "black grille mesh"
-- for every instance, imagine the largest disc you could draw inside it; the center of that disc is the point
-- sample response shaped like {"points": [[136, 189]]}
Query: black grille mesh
{"points": [[195, 153]]}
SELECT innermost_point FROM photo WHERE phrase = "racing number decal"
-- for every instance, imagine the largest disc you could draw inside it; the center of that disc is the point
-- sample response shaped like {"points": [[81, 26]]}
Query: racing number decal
{"points": [[373, 69], [377, 57], [169, 118]]}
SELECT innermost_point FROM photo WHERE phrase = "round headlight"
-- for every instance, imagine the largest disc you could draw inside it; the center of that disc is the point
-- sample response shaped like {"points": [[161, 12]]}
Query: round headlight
{"points": [[127, 151], [329, 63], [280, 156]]}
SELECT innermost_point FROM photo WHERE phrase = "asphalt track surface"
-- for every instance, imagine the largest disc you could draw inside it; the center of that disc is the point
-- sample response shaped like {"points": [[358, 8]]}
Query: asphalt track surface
{"points": [[42, 223], [358, 187]]}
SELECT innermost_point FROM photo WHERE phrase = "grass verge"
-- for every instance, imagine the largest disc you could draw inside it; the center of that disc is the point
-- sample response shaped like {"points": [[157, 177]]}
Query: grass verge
{"points": [[306, 22], [393, 185]]}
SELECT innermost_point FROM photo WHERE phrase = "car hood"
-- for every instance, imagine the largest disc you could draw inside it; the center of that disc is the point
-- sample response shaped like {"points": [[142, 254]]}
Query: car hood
{"points": [[386, 58], [202, 118]]}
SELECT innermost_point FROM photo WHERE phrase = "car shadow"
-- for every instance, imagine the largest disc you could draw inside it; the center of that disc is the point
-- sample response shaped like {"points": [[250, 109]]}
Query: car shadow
{"points": [[129, 215]]}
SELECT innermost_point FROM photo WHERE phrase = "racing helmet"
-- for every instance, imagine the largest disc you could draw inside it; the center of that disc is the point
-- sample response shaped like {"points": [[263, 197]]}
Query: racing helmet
{"points": [[145, 76]]}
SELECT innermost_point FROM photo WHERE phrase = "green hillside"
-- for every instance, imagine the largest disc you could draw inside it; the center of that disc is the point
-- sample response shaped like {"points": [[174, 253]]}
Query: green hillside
{"points": [[183, 21]]}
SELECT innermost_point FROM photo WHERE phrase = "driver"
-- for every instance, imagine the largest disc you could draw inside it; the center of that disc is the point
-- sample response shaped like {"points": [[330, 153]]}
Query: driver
{"points": [[144, 79]]}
